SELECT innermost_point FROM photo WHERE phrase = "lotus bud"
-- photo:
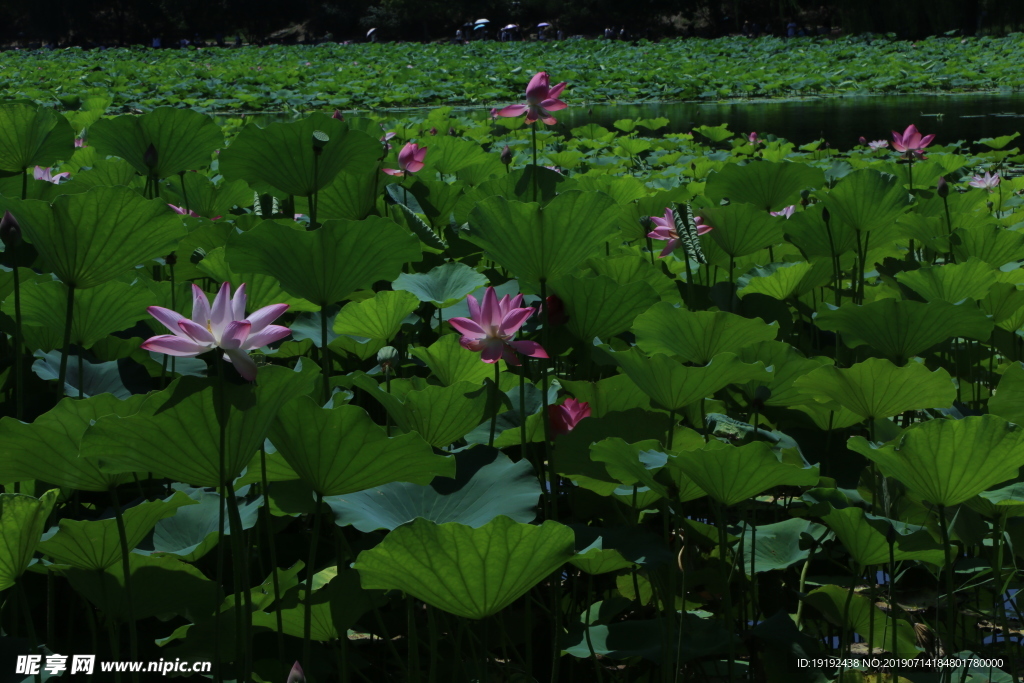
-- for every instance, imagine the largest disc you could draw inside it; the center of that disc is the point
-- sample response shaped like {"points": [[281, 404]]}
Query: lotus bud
{"points": [[761, 394], [433, 131], [862, 140], [320, 140], [452, 132], [506, 156], [825, 216], [10, 231], [943, 187], [337, 115], [150, 158], [171, 259], [387, 357], [990, 205], [804, 197], [296, 675]]}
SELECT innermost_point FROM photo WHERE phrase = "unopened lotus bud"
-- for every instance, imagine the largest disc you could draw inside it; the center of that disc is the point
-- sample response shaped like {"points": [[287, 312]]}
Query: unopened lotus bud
{"points": [[825, 216], [10, 231], [862, 140], [171, 259], [433, 131], [990, 205], [296, 675], [320, 140], [451, 131], [506, 156], [337, 115], [942, 189], [150, 158]]}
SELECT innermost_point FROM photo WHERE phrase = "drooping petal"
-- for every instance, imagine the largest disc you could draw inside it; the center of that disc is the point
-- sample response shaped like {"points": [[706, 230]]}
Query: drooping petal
{"points": [[173, 346], [529, 348], [468, 328], [167, 318], [238, 302], [553, 105], [235, 334], [670, 246], [414, 166], [475, 345], [220, 313], [200, 306], [393, 171], [245, 365], [265, 316], [197, 332], [513, 110], [663, 234], [266, 336], [513, 320], [509, 356], [556, 90], [549, 120]]}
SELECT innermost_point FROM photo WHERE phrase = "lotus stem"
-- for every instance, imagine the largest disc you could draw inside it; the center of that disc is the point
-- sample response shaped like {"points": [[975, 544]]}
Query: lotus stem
{"points": [[727, 592], [950, 597], [126, 568], [846, 643], [533, 140], [892, 582], [1001, 590], [240, 561], [545, 335], [265, 509], [413, 639], [307, 617], [184, 192], [24, 184], [671, 429], [69, 314], [432, 635], [19, 380], [30, 625], [950, 256], [497, 398], [219, 405], [325, 357]]}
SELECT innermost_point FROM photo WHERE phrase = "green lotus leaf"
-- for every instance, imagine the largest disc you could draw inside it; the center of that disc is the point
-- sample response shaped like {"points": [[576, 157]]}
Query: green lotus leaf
{"points": [[616, 393], [901, 330], [948, 462], [184, 140], [1007, 501], [440, 414], [865, 537], [624, 640], [349, 196], [444, 285], [543, 243], [878, 388], [832, 600], [341, 450], [98, 311], [377, 318], [766, 185], [328, 264], [193, 529], [468, 572], [450, 363], [867, 200], [715, 133], [952, 282], [992, 244], [92, 237], [768, 547], [999, 142], [675, 386], [742, 229], [32, 135], [806, 229], [449, 155], [527, 184], [412, 222], [176, 433], [631, 464], [96, 544], [783, 280], [731, 474], [788, 364], [22, 520], [94, 380], [599, 306], [1005, 303], [1008, 401], [282, 154], [200, 194], [261, 290], [47, 448], [697, 336], [599, 551], [628, 268], [486, 485]]}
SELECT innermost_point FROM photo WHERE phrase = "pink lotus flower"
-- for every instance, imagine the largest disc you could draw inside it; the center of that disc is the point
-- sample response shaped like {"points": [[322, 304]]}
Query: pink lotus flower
{"points": [[787, 212], [988, 181], [911, 142], [410, 160], [224, 327], [46, 174], [80, 142], [491, 327], [183, 212], [540, 101], [752, 138], [666, 230], [878, 144], [862, 140], [340, 117], [566, 416]]}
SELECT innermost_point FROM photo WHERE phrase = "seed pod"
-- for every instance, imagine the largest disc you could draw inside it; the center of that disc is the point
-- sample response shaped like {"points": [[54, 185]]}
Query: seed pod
{"points": [[320, 140], [10, 231]]}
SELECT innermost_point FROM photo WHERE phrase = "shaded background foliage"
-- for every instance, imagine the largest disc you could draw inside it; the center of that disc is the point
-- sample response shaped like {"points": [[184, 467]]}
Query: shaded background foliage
{"points": [[86, 22]]}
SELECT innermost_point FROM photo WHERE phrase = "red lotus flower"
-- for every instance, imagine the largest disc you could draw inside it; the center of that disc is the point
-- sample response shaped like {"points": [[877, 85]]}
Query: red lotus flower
{"points": [[566, 416], [410, 160], [492, 326], [540, 101], [911, 142]]}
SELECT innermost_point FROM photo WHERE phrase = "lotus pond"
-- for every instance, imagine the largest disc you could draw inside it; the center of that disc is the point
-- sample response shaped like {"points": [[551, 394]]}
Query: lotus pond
{"points": [[450, 399]]}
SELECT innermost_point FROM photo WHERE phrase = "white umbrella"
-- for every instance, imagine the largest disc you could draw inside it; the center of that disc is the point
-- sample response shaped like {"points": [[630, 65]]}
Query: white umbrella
{"points": [[509, 27], [370, 32], [482, 21], [543, 24]]}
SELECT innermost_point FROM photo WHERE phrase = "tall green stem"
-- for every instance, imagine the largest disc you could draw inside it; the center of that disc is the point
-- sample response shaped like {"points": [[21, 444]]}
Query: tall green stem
{"points": [[222, 418], [267, 517], [19, 380], [325, 354], [533, 140], [497, 404], [66, 348], [727, 591], [307, 616], [126, 568], [243, 607], [545, 332], [950, 597]]}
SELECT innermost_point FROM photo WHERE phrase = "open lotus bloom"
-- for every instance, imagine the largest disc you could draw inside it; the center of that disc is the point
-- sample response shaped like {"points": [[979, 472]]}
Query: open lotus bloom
{"points": [[566, 416], [410, 160], [541, 100], [666, 230], [492, 326], [989, 181], [878, 144], [911, 142], [224, 326], [40, 173]]}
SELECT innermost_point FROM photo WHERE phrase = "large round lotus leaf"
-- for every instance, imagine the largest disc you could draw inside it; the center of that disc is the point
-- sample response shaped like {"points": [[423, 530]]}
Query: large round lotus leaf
{"points": [[349, 196], [1008, 401], [867, 199], [599, 306], [444, 285], [281, 155], [449, 362], [261, 289], [630, 464], [184, 140], [731, 474], [766, 185], [697, 336], [449, 155], [992, 244], [486, 485], [806, 229], [741, 229], [31, 135], [599, 551], [615, 393], [877, 388], [47, 448], [469, 572], [903, 329], [543, 243], [194, 529], [98, 311], [1005, 303], [787, 365], [947, 462], [328, 264], [675, 386], [865, 537], [199, 194], [377, 318], [768, 547], [96, 544], [1005, 502], [96, 378], [832, 601], [341, 450], [22, 520], [176, 433], [952, 282], [92, 237]]}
